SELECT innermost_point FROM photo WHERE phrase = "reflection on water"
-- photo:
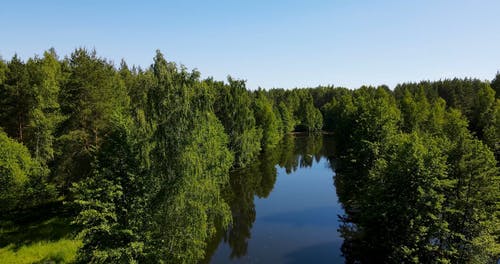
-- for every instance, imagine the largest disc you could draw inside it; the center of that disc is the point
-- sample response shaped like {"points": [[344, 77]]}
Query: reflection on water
{"points": [[290, 207], [284, 208], [318, 216]]}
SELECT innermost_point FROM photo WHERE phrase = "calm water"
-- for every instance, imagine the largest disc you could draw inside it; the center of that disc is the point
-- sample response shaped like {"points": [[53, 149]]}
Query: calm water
{"points": [[285, 208]]}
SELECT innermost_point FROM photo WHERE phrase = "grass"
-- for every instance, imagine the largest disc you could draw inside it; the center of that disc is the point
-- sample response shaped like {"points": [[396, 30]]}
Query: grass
{"points": [[38, 235], [60, 251]]}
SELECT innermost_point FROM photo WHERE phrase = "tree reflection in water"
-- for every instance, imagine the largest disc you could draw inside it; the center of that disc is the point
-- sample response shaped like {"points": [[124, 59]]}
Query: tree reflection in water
{"points": [[258, 179]]}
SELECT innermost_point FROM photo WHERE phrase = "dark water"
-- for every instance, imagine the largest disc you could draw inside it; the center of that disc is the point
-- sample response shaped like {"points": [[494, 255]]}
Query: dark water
{"points": [[285, 208]]}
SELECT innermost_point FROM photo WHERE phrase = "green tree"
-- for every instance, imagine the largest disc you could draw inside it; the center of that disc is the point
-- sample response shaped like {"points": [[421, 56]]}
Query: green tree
{"points": [[16, 99], [483, 110], [187, 217], [266, 120], [495, 84], [366, 119], [44, 115], [310, 117], [189, 164], [492, 130], [19, 176], [91, 94], [474, 98], [112, 201], [233, 107], [287, 120], [413, 172], [473, 201], [429, 196]]}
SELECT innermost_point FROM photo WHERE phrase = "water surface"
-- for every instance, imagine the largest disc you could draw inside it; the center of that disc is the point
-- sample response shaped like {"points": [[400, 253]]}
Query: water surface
{"points": [[285, 208]]}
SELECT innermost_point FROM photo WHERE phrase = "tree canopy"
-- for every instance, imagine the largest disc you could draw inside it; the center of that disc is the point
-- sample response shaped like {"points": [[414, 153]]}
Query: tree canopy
{"points": [[144, 157]]}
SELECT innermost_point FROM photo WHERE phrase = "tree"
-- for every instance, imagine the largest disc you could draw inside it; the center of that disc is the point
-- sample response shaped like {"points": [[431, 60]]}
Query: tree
{"points": [[313, 118], [29, 97], [91, 94], [428, 196], [112, 201], [188, 163], [483, 110], [310, 117], [474, 98], [233, 107], [16, 99], [21, 177], [266, 120], [492, 130], [287, 120], [16, 167], [45, 115], [495, 84], [369, 117], [188, 215], [412, 171], [474, 197]]}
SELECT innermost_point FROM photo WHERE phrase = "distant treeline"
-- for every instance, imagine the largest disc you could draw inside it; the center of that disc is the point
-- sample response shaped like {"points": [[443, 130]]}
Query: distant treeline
{"points": [[114, 142]]}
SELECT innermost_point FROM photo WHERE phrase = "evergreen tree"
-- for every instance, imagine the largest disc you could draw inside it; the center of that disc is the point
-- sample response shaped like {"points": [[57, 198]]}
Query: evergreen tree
{"points": [[91, 94], [16, 99]]}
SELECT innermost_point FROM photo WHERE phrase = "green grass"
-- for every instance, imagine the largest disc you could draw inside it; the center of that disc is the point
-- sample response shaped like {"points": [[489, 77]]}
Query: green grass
{"points": [[39, 235], [60, 251]]}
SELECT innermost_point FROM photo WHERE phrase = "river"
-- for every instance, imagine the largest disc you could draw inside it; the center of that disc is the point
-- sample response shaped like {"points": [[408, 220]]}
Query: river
{"points": [[285, 208]]}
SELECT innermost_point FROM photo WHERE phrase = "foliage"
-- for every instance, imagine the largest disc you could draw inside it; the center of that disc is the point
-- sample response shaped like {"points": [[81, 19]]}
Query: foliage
{"points": [[91, 94], [188, 215], [429, 194], [16, 99], [495, 84], [144, 156], [22, 178], [110, 202], [16, 166], [266, 120], [233, 107], [45, 115], [413, 172]]}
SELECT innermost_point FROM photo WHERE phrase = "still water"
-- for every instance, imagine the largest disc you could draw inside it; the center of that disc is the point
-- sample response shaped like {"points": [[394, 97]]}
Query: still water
{"points": [[285, 208]]}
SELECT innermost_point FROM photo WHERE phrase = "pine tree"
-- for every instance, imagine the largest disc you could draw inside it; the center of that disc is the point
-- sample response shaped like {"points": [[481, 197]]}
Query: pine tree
{"points": [[92, 93], [16, 99]]}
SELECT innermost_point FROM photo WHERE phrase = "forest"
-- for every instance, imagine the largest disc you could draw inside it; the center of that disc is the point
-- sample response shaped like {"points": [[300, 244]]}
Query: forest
{"points": [[136, 161]]}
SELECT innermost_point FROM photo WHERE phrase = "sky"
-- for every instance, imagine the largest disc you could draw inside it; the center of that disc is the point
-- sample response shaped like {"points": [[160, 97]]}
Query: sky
{"points": [[271, 43]]}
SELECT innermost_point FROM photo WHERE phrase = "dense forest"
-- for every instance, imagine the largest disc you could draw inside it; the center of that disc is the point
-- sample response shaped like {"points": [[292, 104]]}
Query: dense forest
{"points": [[139, 159]]}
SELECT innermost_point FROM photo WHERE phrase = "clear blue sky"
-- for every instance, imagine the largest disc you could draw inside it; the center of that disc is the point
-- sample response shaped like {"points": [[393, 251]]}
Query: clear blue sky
{"points": [[280, 43]]}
